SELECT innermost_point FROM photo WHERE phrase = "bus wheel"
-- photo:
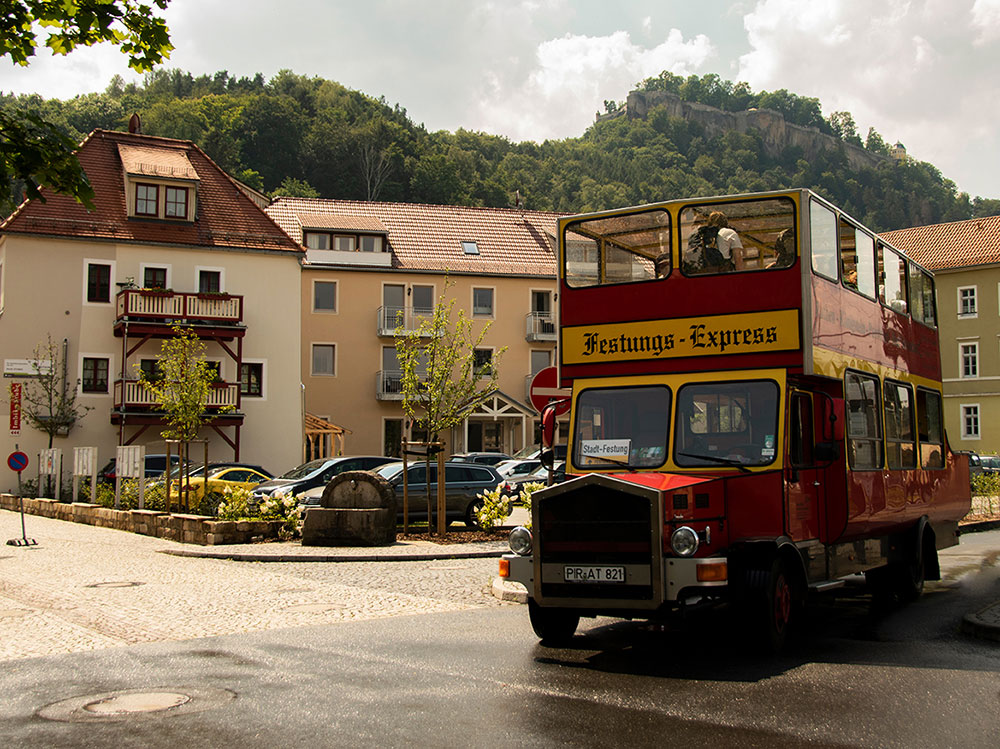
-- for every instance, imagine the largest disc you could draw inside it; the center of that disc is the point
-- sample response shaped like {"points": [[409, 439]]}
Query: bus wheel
{"points": [[776, 604], [908, 576], [553, 626]]}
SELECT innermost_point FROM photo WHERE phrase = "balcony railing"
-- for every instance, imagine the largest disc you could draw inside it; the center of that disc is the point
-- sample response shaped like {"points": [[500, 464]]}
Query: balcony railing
{"points": [[539, 326], [389, 385], [408, 318], [178, 306], [133, 395]]}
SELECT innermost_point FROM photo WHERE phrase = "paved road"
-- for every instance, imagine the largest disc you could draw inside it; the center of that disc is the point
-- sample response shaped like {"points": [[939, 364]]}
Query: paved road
{"points": [[86, 588]]}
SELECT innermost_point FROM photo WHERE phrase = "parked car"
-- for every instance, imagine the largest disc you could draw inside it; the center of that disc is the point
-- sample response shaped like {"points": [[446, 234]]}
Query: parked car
{"points": [[534, 451], [988, 463], [156, 465], [464, 482], [316, 473], [517, 467], [217, 480], [487, 458], [512, 485]]}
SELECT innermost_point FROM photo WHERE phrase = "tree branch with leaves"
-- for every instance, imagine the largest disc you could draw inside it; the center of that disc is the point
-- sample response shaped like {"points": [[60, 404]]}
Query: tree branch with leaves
{"points": [[49, 399]]}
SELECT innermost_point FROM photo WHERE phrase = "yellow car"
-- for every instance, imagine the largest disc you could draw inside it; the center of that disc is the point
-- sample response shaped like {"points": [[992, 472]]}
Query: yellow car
{"points": [[218, 479]]}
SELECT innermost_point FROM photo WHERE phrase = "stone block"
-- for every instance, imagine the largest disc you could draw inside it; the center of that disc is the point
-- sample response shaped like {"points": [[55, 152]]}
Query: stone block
{"points": [[349, 527]]}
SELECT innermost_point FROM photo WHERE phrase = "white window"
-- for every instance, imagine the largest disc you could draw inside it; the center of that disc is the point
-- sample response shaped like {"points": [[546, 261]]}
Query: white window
{"points": [[175, 202], [344, 244], [324, 359], [967, 306], [315, 240], [324, 296], [470, 248], [155, 276], [97, 277], [94, 374], [483, 361], [969, 359], [210, 280], [371, 244], [252, 379], [970, 421], [146, 200], [482, 302]]}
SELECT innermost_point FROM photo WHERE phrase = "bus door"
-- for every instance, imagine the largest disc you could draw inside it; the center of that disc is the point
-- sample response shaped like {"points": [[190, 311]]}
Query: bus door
{"points": [[804, 478]]}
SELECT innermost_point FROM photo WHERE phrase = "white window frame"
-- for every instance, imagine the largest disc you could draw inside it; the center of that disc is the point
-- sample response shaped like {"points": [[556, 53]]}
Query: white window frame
{"points": [[307, 234], [168, 283], [187, 202], [337, 239], [336, 297], [973, 346], [87, 262], [409, 296], [111, 378], [962, 412], [312, 359], [492, 351], [263, 380], [210, 269], [377, 240], [963, 315], [531, 301], [493, 302]]}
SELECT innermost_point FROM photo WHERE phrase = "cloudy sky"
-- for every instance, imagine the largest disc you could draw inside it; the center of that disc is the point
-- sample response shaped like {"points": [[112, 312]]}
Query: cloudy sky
{"points": [[923, 72]]}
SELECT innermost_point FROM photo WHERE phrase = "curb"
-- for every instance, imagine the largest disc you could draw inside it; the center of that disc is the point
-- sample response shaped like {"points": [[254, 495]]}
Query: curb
{"points": [[238, 556], [984, 623], [506, 590], [985, 525]]}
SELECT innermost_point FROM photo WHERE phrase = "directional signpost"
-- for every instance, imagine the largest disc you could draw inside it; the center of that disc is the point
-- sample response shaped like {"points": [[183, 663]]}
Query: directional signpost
{"points": [[18, 461]]}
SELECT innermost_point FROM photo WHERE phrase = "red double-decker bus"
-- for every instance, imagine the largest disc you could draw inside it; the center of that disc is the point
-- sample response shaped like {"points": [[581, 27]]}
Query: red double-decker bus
{"points": [[756, 414]]}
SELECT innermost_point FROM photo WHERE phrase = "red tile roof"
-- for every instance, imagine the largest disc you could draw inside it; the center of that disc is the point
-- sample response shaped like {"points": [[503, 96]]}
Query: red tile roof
{"points": [[429, 237], [959, 244], [225, 215]]}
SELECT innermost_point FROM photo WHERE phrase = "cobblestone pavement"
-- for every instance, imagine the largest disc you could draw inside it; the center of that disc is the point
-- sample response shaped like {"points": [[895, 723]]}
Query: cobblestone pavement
{"points": [[87, 588]]}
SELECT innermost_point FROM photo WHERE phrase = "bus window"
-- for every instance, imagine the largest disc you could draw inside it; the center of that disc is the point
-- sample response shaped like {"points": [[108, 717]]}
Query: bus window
{"points": [[892, 279], [800, 431], [922, 296], [929, 429], [737, 236], [823, 240], [622, 427], [864, 428], [617, 249], [900, 440], [857, 259], [728, 423]]}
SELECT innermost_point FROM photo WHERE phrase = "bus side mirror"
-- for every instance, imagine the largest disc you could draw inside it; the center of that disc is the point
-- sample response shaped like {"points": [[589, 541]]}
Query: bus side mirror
{"points": [[547, 458]]}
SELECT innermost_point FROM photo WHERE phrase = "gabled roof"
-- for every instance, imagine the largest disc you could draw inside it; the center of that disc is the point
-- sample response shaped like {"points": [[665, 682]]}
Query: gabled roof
{"points": [[225, 215], [959, 244], [430, 237]]}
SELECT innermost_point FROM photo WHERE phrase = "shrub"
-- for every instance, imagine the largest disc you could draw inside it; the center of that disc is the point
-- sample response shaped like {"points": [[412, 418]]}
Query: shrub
{"points": [[986, 484], [494, 509]]}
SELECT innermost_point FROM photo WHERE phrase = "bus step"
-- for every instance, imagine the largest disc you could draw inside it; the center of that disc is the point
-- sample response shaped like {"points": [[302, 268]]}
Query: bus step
{"points": [[825, 585]]}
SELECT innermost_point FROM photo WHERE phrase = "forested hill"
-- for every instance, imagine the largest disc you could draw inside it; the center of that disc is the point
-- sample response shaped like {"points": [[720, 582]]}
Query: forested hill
{"points": [[309, 136]]}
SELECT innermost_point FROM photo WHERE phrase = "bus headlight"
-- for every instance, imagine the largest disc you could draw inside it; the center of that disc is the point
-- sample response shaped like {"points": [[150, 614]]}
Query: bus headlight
{"points": [[684, 541], [520, 541]]}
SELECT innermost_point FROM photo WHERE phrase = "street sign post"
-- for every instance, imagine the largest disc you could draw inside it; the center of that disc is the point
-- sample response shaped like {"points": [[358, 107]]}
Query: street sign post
{"points": [[18, 461], [545, 388]]}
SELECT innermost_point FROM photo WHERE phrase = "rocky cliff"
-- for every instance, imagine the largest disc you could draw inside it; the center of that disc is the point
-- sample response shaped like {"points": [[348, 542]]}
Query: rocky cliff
{"points": [[777, 134]]}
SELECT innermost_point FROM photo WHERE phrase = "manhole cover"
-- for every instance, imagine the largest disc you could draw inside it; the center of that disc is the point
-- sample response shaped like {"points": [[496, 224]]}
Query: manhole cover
{"points": [[129, 704], [314, 608], [115, 584]]}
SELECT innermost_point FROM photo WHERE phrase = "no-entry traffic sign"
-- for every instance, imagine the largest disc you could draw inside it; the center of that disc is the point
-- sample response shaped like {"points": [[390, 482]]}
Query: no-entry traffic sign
{"points": [[17, 461], [545, 388]]}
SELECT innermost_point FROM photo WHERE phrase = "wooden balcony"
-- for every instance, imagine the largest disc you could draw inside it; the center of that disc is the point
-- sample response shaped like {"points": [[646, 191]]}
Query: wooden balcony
{"points": [[133, 396], [164, 309]]}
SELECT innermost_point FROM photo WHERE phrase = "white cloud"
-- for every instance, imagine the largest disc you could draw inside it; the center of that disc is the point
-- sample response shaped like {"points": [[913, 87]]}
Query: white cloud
{"points": [[572, 75], [908, 69], [986, 18]]}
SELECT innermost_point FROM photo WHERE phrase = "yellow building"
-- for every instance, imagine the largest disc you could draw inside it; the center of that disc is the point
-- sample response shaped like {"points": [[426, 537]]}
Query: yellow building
{"points": [[965, 259], [172, 240], [369, 264]]}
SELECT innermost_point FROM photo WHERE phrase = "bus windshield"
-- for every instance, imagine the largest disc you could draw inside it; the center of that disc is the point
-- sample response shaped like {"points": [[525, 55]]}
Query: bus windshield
{"points": [[727, 423], [622, 426]]}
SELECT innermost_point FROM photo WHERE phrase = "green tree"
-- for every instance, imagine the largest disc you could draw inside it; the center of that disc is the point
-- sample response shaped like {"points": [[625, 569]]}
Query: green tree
{"points": [[49, 400], [443, 380], [34, 151], [295, 188]]}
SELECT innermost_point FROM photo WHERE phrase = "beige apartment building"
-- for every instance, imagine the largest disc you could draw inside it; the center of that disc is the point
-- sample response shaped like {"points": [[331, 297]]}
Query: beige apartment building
{"points": [[965, 259], [368, 265], [173, 240]]}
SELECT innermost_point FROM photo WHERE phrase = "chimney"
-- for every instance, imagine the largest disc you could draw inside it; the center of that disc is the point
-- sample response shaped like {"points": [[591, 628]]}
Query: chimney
{"points": [[135, 124]]}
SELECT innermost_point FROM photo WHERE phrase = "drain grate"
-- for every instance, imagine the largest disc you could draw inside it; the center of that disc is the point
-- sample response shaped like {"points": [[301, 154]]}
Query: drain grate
{"points": [[129, 704]]}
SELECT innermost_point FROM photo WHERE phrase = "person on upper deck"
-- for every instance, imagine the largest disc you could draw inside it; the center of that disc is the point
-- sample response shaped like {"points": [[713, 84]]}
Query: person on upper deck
{"points": [[713, 248]]}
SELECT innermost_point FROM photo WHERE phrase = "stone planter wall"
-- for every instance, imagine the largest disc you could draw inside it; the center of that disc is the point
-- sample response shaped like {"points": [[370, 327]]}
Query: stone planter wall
{"points": [[189, 529]]}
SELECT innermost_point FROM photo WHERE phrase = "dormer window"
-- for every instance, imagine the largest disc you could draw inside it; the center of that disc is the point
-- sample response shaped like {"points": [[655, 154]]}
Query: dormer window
{"points": [[146, 200], [322, 240], [316, 240], [176, 202]]}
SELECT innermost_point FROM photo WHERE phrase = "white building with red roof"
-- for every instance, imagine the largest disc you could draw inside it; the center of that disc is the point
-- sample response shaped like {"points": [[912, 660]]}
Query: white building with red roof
{"points": [[172, 240]]}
